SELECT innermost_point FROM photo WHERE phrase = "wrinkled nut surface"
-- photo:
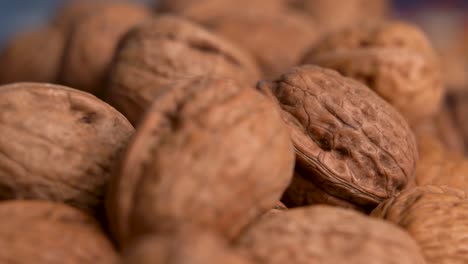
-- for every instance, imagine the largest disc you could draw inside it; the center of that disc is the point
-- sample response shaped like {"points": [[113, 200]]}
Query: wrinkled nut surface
{"points": [[276, 40], [50, 233], [92, 43], [203, 154], [436, 217], [321, 234], [349, 143], [57, 144], [32, 56], [166, 49], [335, 14], [185, 246], [394, 59], [438, 166]]}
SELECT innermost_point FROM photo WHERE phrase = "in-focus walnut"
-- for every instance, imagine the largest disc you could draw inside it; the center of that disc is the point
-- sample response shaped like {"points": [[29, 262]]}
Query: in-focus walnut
{"points": [[185, 246], [51, 233], [32, 56], [322, 234], [204, 10], [436, 217], [394, 59], [276, 40], [57, 144], [92, 43], [166, 49], [203, 154], [335, 14], [350, 144], [438, 166]]}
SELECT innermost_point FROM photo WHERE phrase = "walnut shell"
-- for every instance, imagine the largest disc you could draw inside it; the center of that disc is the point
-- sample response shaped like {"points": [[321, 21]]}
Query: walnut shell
{"points": [[394, 59], [438, 166], [73, 11], [92, 43], [50, 233], [321, 234], [349, 142], [57, 144], [436, 217], [203, 155], [297, 34], [459, 108], [332, 15], [185, 246], [20, 60], [166, 49]]}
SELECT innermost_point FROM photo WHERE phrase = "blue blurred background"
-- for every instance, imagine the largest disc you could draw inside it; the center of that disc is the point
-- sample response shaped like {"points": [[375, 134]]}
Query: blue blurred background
{"points": [[16, 15]]}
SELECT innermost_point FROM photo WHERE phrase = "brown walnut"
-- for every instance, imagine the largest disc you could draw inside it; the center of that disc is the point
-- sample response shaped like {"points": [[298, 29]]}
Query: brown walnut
{"points": [[50, 233], [436, 217], [32, 56], [92, 43], [277, 40], [57, 144], [394, 59], [321, 234], [181, 247], [203, 154], [350, 144], [163, 50]]}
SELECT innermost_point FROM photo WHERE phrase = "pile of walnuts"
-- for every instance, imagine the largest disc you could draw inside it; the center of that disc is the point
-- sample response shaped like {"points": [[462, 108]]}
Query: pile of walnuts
{"points": [[239, 132]]}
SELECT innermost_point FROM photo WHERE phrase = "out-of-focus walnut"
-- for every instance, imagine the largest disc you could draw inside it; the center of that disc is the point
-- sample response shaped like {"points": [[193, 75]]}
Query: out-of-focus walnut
{"points": [[92, 43], [32, 56], [335, 14], [48, 233], [350, 144], [164, 50], [394, 59], [277, 40], [73, 11], [202, 155], [438, 166], [458, 107], [436, 217], [321, 234], [57, 144], [184, 246]]}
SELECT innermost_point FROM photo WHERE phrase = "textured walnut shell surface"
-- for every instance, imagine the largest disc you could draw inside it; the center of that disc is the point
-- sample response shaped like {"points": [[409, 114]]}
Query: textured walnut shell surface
{"points": [[92, 43], [204, 10], [185, 246], [57, 143], [348, 141], [164, 50], [395, 60], [20, 60], [335, 14], [297, 34], [48, 233], [438, 166], [203, 154], [436, 217], [321, 234]]}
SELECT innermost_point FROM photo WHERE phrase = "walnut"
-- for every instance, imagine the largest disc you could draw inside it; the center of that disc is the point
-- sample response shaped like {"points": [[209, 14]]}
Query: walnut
{"points": [[185, 246], [436, 217], [438, 166], [350, 144], [92, 43], [73, 11], [276, 40], [203, 154], [458, 107], [332, 15], [322, 234], [164, 50], [32, 56], [394, 59], [42, 232], [57, 144]]}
